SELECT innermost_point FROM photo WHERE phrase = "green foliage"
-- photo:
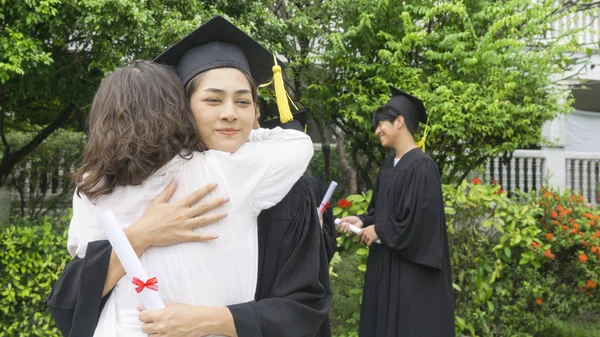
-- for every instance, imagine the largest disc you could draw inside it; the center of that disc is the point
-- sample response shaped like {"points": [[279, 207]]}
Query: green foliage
{"points": [[53, 54], [480, 66], [519, 266], [32, 256], [43, 180]]}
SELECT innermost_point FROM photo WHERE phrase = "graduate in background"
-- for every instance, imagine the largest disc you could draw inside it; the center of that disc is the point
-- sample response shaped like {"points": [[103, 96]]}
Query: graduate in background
{"points": [[408, 282]]}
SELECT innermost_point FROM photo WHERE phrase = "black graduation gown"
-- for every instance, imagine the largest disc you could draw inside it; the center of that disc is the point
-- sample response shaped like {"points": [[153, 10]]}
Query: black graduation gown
{"points": [[329, 232], [329, 235], [292, 297], [408, 282]]}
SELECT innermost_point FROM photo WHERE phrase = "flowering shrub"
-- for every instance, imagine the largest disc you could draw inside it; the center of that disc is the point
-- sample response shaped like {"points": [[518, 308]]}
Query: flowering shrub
{"points": [[516, 263]]}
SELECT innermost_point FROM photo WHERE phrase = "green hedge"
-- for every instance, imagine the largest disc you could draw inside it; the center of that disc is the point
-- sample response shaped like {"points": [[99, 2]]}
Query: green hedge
{"points": [[32, 256]]}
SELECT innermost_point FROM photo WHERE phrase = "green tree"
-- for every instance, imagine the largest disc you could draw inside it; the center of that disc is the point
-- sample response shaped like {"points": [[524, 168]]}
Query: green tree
{"points": [[53, 55], [487, 77]]}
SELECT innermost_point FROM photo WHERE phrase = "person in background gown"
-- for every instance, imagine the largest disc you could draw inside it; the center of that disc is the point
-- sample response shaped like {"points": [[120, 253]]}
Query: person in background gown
{"points": [[408, 281]]}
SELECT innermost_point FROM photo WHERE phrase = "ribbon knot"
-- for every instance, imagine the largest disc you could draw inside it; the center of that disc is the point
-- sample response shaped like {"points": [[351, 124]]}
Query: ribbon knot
{"points": [[150, 284], [326, 205]]}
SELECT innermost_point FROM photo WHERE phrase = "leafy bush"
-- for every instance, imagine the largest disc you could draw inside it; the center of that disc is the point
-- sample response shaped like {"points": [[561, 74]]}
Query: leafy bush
{"points": [[32, 256], [519, 265]]}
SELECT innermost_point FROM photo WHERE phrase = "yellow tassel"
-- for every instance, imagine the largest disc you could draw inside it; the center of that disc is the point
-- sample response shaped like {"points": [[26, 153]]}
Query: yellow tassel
{"points": [[285, 114], [421, 142]]}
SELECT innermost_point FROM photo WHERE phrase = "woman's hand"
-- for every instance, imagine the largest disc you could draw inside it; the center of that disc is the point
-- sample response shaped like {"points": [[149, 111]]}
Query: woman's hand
{"points": [[166, 223], [182, 320]]}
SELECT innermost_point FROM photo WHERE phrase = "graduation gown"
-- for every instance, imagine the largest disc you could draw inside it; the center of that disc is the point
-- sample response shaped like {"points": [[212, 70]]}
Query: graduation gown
{"points": [[292, 297], [329, 232], [408, 281], [329, 235]]}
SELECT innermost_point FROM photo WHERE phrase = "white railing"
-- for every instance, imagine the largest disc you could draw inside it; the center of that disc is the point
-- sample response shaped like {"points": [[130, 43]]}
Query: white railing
{"points": [[588, 21], [528, 170]]}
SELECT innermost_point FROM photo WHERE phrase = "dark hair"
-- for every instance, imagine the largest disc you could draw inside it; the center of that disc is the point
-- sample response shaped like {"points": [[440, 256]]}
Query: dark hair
{"points": [[193, 84], [139, 120], [388, 113]]}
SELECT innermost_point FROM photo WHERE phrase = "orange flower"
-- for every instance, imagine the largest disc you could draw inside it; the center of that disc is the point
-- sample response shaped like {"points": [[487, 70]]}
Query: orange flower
{"points": [[581, 198], [560, 208], [500, 191], [598, 234], [583, 258], [591, 284], [594, 249], [547, 194], [476, 181], [535, 245], [548, 254], [571, 198], [575, 225], [592, 223], [554, 214], [565, 227], [538, 301], [556, 222], [584, 243], [549, 236], [574, 231], [588, 215], [343, 203]]}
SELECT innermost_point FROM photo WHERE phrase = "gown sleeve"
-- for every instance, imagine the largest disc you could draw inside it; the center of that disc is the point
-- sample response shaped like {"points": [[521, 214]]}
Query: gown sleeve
{"points": [[294, 297], [368, 217], [415, 228], [75, 301]]}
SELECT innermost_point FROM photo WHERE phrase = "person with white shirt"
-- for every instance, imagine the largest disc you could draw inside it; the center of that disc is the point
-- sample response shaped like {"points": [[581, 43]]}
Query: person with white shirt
{"points": [[120, 172]]}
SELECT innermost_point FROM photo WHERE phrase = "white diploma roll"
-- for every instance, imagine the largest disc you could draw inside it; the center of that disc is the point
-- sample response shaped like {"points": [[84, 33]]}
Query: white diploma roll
{"points": [[327, 197], [352, 228], [129, 259]]}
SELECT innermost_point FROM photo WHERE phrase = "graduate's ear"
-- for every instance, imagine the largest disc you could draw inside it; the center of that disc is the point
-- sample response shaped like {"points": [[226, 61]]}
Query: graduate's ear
{"points": [[399, 122]]}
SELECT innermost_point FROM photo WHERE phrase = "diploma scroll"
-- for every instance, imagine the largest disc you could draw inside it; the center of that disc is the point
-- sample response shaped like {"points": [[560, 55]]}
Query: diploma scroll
{"points": [[352, 228], [146, 288], [327, 197]]}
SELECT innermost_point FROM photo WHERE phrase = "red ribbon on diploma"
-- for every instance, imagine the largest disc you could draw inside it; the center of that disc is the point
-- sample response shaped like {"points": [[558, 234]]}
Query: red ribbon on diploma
{"points": [[326, 206], [150, 284]]}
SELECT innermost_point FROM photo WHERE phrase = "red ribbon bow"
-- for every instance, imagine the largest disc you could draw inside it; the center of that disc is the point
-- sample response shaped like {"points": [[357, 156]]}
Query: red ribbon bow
{"points": [[150, 284], [326, 205]]}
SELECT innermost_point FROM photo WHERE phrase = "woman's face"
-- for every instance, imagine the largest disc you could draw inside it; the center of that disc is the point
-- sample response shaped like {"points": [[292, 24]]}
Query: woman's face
{"points": [[223, 109]]}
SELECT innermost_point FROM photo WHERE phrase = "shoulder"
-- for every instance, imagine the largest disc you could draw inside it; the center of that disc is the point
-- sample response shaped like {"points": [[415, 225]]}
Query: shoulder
{"points": [[420, 163]]}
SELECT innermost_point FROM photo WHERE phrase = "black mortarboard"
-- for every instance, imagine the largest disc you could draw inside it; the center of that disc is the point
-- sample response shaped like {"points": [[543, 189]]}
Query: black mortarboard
{"points": [[298, 123], [408, 106], [220, 44]]}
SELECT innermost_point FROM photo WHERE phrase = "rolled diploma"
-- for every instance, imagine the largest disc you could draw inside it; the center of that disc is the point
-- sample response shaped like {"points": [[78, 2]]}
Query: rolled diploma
{"points": [[129, 259], [352, 228], [327, 196]]}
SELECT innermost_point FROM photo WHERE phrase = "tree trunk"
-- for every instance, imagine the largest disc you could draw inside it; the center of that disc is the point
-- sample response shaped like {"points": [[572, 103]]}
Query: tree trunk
{"points": [[325, 149], [348, 170]]}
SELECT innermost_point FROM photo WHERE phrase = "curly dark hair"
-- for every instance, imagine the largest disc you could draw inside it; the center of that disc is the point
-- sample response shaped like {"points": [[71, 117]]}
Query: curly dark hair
{"points": [[139, 120]]}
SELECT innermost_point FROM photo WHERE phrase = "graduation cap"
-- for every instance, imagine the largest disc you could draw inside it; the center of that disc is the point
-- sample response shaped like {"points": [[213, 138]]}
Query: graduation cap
{"points": [[220, 44], [298, 123], [413, 111]]}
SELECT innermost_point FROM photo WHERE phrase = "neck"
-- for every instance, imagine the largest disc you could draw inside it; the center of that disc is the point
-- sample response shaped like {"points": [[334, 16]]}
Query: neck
{"points": [[405, 143]]}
